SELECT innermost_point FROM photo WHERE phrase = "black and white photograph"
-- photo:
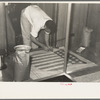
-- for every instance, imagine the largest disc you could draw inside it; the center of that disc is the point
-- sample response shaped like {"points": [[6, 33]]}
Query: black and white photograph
{"points": [[49, 42]]}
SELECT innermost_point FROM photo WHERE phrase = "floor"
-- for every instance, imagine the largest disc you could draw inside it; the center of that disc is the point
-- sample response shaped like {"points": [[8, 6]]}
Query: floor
{"points": [[61, 78], [45, 65]]}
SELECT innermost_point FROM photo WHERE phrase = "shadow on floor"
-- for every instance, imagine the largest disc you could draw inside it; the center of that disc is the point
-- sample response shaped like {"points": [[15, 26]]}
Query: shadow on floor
{"points": [[62, 78]]}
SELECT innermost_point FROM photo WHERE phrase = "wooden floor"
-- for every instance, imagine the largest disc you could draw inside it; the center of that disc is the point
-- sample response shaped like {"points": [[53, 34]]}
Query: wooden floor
{"points": [[45, 65]]}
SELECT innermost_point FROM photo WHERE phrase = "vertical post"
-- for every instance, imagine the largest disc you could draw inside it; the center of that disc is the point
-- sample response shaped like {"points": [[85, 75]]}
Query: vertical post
{"points": [[55, 17], [0, 67], [0, 61], [3, 37], [3, 42], [67, 36]]}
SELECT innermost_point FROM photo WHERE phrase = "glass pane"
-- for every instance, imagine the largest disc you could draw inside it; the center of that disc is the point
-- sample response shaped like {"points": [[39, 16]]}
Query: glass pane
{"points": [[83, 42]]}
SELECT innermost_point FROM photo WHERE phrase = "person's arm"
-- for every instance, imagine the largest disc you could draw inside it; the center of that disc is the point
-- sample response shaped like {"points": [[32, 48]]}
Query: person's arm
{"points": [[47, 36], [34, 40], [47, 39]]}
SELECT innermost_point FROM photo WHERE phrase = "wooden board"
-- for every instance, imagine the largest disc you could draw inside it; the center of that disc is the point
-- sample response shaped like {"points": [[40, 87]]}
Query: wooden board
{"points": [[46, 64]]}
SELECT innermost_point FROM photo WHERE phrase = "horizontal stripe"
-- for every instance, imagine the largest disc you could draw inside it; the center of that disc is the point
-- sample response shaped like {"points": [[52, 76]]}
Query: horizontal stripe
{"points": [[43, 60], [54, 55], [43, 54], [48, 62], [49, 65]]}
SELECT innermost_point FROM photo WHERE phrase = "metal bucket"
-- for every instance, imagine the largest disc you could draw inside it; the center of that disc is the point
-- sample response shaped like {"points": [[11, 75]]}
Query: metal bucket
{"points": [[86, 37], [22, 63]]}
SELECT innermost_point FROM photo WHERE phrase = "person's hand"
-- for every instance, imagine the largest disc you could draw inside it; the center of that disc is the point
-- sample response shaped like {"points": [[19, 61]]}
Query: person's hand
{"points": [[50, 48], [45, 48]]}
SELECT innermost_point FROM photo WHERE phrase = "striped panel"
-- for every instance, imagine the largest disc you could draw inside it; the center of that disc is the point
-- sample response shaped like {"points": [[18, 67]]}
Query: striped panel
{"points": [[50, 61], [47, 61], [44, 64]]}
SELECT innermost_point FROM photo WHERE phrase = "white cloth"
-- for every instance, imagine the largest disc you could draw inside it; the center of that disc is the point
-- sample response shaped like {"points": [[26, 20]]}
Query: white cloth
{"points": [[37, 18]]}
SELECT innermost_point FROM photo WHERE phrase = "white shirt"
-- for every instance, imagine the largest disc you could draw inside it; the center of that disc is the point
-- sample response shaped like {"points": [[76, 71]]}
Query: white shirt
{"points": [[37, 17]]}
